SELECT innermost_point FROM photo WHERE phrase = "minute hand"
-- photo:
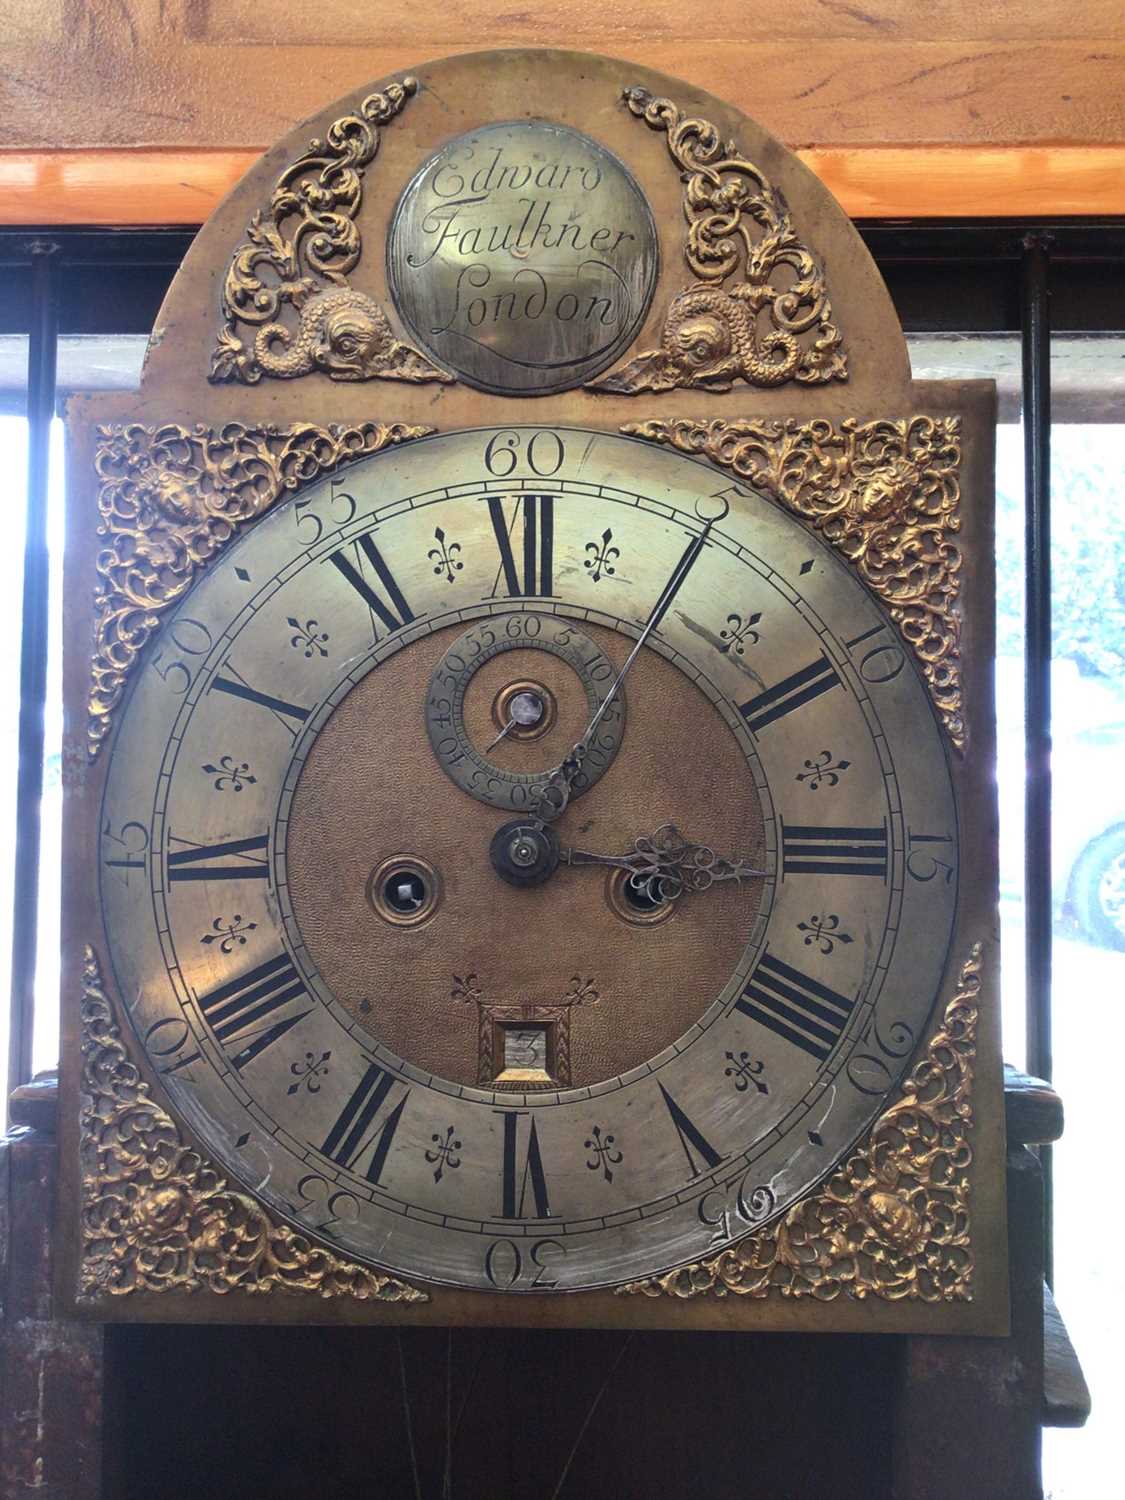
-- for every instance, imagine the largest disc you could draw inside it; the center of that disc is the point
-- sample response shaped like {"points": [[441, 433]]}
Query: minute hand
{"points": [[659, 610], [554, 793]]}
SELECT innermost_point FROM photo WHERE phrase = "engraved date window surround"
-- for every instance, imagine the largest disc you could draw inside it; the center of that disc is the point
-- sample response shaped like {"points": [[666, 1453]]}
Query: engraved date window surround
{"points": [[523, 256]]}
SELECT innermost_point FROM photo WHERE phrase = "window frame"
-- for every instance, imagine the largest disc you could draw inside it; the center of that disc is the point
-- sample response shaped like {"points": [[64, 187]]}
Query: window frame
{"points": [[965, 276]]}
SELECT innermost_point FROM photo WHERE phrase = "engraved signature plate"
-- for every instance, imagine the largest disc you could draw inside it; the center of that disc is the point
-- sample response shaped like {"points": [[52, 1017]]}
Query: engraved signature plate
{"points": [[523, 256]]}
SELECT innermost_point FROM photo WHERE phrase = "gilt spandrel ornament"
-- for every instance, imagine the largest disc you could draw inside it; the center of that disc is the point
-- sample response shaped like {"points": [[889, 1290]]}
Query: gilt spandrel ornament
{"points": [[287, 307], [773, 324], [894, 1220], [158, 1217], [523, 256], [170, 499]]}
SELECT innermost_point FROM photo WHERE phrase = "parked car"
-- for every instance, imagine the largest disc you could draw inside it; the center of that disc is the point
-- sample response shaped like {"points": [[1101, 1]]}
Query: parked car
{"points": [[1088, 798]]}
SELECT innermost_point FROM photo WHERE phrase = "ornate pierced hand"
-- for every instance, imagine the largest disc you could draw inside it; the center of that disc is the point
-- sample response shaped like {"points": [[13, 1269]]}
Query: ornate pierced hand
{"points": [[666, 865]]}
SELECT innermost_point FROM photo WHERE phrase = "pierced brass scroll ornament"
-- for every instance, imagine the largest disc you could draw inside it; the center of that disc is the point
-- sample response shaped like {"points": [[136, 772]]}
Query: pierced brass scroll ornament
{"points": [[894, 1221], [773, 326], [157, 1217], [295, 260], [170, 498], [886, 495]]}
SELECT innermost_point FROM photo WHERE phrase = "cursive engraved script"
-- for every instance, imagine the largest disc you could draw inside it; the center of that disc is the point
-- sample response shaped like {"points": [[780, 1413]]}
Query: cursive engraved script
{"points": [[530, 296], [524, 255], [448, 224]]}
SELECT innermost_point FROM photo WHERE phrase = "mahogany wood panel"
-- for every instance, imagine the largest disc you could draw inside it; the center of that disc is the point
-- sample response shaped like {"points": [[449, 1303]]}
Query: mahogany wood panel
{"points": [[50, 1371]]}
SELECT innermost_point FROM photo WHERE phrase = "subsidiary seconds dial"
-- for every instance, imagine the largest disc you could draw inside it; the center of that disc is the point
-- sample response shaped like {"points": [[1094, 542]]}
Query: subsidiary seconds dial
{"points": [[583, 1081], [523, 710]]}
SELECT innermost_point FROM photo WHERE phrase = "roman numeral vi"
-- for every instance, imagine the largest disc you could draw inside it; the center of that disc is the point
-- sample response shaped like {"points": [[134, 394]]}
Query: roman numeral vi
{"points": [[519, 1177]]}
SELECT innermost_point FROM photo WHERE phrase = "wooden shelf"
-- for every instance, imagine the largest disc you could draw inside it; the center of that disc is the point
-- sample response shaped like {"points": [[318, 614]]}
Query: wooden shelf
{"points": [[147, 186]]}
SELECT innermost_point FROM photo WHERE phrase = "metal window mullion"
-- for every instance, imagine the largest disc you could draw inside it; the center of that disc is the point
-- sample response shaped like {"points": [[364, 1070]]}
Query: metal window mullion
{"points": [[34, 633], [1036, 321]]}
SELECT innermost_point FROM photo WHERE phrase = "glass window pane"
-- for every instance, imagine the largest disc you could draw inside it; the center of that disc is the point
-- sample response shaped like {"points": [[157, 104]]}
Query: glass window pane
{"points": [[84, 363], [1088, 858], [45, 1033], [13, 465]]}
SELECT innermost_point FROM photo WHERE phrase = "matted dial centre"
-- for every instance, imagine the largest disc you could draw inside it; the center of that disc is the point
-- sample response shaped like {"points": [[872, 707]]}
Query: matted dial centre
{"points": [[371, 786]]}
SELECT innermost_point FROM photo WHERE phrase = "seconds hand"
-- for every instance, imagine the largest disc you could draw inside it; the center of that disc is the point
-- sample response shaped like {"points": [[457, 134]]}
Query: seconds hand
{"points": [[573, 763]]}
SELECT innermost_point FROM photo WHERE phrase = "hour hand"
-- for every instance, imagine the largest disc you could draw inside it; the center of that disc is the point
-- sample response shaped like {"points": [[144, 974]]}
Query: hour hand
{"points": [[667, 865]]}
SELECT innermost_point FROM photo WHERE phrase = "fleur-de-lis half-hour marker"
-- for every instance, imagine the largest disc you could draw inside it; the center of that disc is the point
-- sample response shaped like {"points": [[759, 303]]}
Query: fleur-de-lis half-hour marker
{"points": [[824, 931], [822, 771], [745, 1072], [446, 555], [308, 1072], [741, 632], [444, 1154], [230, 774], [308, 637], [600, 565], [228, 933], [605, 1153]]}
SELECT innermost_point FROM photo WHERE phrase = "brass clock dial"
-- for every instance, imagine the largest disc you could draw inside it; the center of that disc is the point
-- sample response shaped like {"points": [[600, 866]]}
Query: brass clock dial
{"points": [[528, 1088]]}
